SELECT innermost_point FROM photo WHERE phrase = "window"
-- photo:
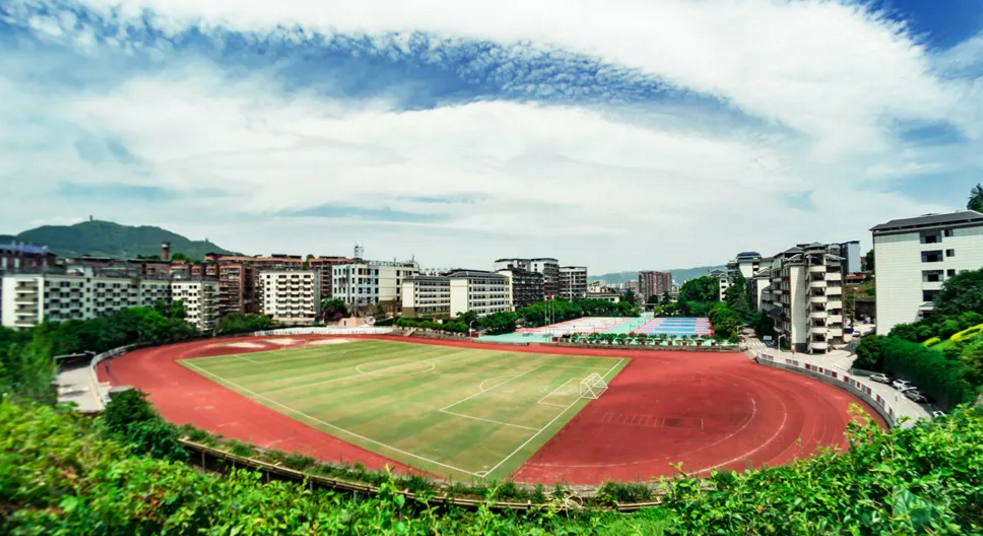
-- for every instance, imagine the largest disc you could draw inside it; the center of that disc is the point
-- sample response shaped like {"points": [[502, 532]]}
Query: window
{"points": [[950, 253], [929, 295], [947, 232], [950, 273]]}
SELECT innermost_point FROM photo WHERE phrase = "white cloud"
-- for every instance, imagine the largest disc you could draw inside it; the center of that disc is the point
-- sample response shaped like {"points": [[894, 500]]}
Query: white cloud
{"points": [[828, 69]]}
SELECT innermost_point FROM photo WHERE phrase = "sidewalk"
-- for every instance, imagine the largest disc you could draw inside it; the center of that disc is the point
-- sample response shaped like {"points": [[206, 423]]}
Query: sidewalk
{"points": [[842, 360]]}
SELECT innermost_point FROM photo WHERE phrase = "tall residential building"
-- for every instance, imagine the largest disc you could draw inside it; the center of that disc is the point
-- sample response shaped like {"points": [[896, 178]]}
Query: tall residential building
{"points": [[367, 283], [747, 263], [805, 297], [549, 267], [723, 282], [325, 266], [289, 295], [914, 256], [447, 296], [236, 288], [79, 294], [653, 284], [15, 258], [573, 282], [201, 301], [526, 287]]}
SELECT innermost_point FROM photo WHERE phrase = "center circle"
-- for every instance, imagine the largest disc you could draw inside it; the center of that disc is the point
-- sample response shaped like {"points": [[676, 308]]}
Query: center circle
{"points": [[395, 367]]}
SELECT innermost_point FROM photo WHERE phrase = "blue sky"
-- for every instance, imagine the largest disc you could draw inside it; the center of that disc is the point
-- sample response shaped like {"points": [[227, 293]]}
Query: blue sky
{"points": [[621, 135]]}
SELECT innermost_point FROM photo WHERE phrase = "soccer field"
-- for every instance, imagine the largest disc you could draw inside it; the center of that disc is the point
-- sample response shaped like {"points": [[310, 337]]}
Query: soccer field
{"points": [[456, 412]]}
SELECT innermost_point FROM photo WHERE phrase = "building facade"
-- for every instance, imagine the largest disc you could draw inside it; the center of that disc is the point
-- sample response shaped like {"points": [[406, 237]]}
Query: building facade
{"points": [[371, 282], [850, 251], [426, 296], [77, 294], [289, 295], [573, 282], [201, 302], [914, 257], [805, 297], [653, 284], [458, 292], [723, 282], [526, 287], [549, 267]]}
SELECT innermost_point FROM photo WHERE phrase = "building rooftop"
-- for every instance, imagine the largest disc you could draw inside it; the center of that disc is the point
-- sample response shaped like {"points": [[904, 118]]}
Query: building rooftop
{"points": [[475, 273], [748, 255], [928, 220], [24, 248]]}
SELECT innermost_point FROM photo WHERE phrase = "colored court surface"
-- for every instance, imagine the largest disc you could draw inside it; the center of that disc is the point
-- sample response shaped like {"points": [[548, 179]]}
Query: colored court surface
{"points": [[452, 411]]}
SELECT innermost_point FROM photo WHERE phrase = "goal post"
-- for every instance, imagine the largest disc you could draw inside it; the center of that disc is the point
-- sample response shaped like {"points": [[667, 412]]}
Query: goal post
{"points": [[593, 386]]}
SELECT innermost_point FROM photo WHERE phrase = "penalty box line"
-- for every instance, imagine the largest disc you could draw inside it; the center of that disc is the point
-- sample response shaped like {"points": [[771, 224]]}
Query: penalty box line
{"points": [[534, 436], [319, 421]]}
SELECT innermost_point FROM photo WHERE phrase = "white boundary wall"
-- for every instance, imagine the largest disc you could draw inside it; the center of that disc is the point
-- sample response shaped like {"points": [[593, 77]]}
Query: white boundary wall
{"points": [[845, 381], [365, 330]]}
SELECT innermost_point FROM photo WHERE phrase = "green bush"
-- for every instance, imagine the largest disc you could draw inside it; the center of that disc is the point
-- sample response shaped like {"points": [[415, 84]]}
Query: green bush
{"points": [[942, 379]]}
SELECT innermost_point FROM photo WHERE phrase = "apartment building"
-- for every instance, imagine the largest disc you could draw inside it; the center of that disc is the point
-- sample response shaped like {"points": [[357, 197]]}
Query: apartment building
{"points": [[850, 251], [201, 300], [914, 257], [450, 295], [80, 293], [236, 288], [573, 282], [426, 296], [17, 257], [723, 282], [549, 267], [805, 296], [325, 267], [653, 284], [289, 295], [368, 283], [747, 263], [526, 287]]}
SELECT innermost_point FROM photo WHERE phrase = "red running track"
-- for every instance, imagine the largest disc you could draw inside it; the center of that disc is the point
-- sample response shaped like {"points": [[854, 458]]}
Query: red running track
{"points": [[707, 410]]}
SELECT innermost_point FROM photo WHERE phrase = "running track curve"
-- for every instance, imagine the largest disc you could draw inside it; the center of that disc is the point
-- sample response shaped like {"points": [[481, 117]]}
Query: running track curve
{"points": [[707, 410]]}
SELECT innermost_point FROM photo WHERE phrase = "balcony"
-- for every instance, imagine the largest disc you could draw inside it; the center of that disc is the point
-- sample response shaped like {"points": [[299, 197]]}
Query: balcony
{"points": [[817, 284], [834, 291], [834, 303], [819, 315], [835, 332], [833, 276], [931, 285], [818, 330], [817, 299], [834, 319], [821, 269], [818, 346]]}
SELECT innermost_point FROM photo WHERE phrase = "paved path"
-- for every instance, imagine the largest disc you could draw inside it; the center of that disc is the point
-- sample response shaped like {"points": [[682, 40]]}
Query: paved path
{"points": [[840, 359], [76, 384]]}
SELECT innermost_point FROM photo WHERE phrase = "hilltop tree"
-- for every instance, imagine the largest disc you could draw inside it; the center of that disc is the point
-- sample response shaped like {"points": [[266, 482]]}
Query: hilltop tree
{"points": [[975, 198]]}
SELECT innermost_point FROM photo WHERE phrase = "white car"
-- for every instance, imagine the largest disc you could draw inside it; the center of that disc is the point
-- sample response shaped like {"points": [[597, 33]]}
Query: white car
{"points": [[880, 378], [902, 385]]}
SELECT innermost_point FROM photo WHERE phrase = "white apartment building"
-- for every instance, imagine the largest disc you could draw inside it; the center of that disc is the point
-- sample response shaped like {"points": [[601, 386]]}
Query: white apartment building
{"points": [[723, 282], [289, 295], [914, 256], [549, 267], [371, 282], [29, 299], [456, 293], [201, 302], [573, 282], [426, 296], [805, 297]]}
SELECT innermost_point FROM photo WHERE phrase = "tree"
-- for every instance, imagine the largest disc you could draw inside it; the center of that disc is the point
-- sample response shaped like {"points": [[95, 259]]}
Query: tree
{"points": [[697, 297], [737, 298], [333, 310], [869, 260], [468, 318], [961, 293], [500, 322], [629, 297], [870, 353], [666, 299], [975, 198], [653, 300]]}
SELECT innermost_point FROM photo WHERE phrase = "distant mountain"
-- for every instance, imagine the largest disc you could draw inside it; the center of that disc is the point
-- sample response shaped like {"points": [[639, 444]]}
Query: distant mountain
{"points": [[678, 274], [108, 239]]}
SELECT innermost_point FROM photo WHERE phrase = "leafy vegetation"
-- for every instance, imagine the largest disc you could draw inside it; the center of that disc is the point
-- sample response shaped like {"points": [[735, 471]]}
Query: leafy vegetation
{"points": [[545, 312], [108, 239], [243, 323], [420, 323], [333, 310], [64, 474], [975, 201]]}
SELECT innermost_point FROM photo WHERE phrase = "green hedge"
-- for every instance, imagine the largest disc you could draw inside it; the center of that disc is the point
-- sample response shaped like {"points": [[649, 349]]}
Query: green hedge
{"points": [[941, 379]]}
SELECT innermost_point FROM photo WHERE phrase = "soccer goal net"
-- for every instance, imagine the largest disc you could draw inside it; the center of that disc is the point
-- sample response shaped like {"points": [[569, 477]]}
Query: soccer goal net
{"points": [[592, 386]]}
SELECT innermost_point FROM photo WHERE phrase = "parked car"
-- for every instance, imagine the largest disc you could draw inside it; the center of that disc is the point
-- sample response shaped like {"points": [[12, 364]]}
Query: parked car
{"points": [[880, 378], [902, 385], [915, 396], [938, 414]]}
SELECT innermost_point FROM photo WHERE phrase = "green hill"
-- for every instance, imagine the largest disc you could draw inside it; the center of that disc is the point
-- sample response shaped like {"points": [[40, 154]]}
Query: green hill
{"points": [[678, 274], [108, 239]]}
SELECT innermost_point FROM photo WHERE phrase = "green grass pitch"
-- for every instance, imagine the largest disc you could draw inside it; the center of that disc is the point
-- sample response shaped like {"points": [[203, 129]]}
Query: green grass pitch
{"points": [[457, 412]]}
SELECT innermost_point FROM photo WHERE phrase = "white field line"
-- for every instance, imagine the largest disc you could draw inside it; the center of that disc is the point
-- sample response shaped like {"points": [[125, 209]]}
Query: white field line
{"points": [[499, 384], [489, 420], [552, 404], [564, 384], [319, 421], [534, 436], [247, 359]]}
